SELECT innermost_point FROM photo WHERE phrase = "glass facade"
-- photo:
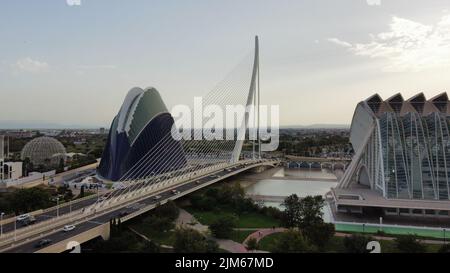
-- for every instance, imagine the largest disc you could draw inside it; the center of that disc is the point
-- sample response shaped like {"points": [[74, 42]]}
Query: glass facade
{"points": [[415, 153]]}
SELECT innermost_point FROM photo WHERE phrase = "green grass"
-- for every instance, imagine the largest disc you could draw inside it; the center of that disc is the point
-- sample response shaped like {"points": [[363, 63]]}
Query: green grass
{"points": [[246, 220], [240, 235], [424, 233], [336, 245], [267, 242], [164, 238]]}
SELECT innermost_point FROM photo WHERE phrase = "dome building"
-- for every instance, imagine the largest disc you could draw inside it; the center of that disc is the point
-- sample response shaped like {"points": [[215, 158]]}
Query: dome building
{"points": [[142, 122], [45, 151]]}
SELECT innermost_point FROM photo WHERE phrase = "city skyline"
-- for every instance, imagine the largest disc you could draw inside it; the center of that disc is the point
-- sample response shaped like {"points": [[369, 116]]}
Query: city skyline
{"points": [[78, 62]]}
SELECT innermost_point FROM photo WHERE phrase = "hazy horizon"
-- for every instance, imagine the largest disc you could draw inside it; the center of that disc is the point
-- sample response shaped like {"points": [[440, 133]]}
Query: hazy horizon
{"points": [[73, 65]]}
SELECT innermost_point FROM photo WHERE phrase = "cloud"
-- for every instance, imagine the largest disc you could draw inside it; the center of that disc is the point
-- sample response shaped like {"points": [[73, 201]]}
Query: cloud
{"points": [[98, 66], [29, 65], [373, 2], [339, 42], [407, 46]]}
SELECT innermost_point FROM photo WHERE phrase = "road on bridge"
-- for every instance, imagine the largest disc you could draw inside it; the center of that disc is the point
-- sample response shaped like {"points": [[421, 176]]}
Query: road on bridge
{"points": [[29, 246]]}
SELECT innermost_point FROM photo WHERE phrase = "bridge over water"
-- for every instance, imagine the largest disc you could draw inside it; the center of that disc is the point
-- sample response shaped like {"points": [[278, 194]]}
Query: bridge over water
{"points": [[302, 162], [153, 181]]}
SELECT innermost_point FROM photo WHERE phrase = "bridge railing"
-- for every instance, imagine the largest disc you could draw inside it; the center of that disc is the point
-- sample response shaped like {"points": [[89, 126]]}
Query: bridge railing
{"points": [[78, 216]]}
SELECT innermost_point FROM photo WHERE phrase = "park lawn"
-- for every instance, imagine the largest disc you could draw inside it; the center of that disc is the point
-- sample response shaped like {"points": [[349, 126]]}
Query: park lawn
{"points": [[240, 235], [267, 242], [336, 245], [164, 238], [245, 220]]}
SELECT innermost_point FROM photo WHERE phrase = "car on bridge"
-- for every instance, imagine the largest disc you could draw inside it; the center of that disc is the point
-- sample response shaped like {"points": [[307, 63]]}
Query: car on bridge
{"points": [[28, 221], [23, 217], [42, 243], [157, 197], [69, 228], [123, 213], [175, 192]]}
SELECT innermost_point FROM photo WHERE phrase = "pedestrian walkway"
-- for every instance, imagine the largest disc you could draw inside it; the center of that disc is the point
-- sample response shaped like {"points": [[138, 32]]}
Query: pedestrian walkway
{"points": [[258, 235], [185, 219]]}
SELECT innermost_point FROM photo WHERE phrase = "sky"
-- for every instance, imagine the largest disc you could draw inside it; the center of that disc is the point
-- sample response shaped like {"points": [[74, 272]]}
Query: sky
{"points": [[74, 64]]}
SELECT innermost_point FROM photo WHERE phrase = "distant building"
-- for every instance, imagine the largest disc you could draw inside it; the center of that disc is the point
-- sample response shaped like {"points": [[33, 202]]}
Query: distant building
{"points": [[20, 134], [401, 164], [143, 120], [2, 157], [12, 170], [44, 151], [80, 142]]}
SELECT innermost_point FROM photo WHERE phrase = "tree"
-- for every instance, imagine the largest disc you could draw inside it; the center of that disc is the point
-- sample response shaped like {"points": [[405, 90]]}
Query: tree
{"points": [[306, 214], [356, 243], [66, 192], [252, 244], [223, 227], [409, 244], [169, 210], [310, 210], [188, 240], [81, 195], [319, 233], [26, 200], [60, 168], [158, 223], [149, 247], [445, 248], [291, 214], [27, 167], [124, 242], [291, 242], [205, 203]]}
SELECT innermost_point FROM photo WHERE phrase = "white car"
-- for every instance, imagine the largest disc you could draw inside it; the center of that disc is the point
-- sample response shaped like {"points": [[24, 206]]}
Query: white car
{"points": [[68, 228], [23, 217], [157, 197]]}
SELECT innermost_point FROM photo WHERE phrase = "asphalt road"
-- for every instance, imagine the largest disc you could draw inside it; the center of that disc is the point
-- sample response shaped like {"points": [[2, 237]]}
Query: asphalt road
{"points": [[30, 246]]}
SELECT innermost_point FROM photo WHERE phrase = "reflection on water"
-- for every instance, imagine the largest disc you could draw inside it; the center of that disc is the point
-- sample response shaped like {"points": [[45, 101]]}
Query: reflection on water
{"points": [[304, 173], [302, 187], [276, 187]]}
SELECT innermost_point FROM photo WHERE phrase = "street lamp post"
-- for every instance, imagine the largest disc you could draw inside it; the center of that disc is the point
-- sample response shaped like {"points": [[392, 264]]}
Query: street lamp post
{"points": [[364, 228], [57, 207], [15, 228], [1, 223]]}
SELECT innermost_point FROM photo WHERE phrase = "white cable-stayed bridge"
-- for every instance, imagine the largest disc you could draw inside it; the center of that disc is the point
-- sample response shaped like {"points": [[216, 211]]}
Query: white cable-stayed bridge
{"points": [[161, 174]]}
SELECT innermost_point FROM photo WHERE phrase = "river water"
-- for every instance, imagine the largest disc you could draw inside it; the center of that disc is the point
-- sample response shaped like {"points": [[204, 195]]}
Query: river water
{"points": [[294, 181]]}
